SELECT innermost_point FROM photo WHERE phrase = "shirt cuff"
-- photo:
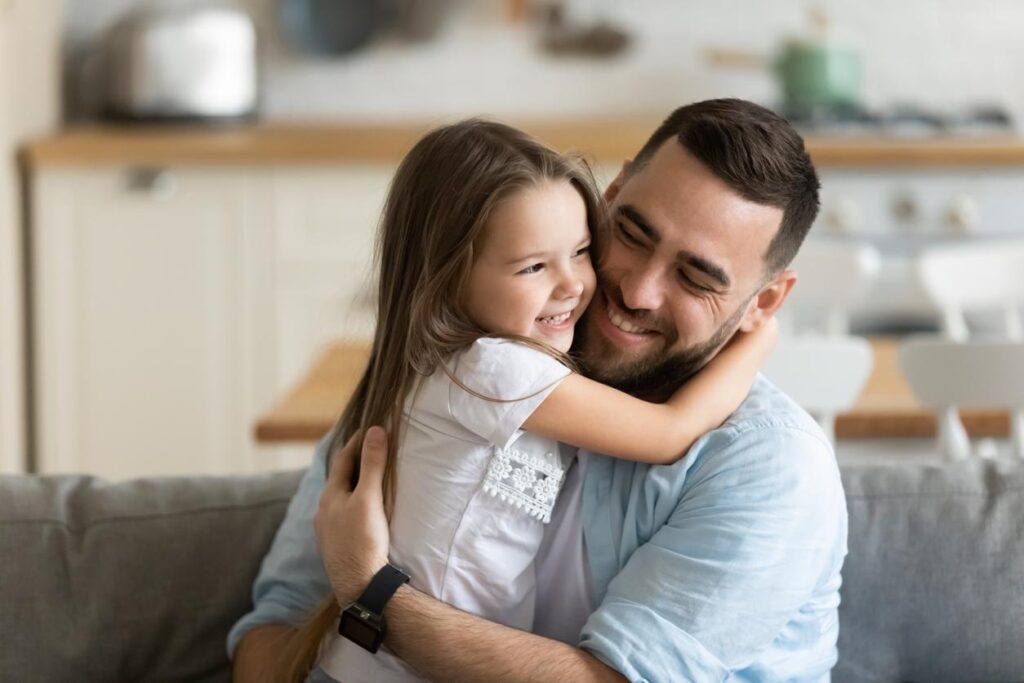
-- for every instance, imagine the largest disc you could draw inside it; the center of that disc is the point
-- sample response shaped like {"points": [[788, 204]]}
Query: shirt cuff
{"points": [[644, 647]]}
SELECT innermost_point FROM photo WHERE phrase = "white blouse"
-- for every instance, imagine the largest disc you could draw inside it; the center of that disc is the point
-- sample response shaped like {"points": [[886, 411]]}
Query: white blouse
{"points": [[473, 494]]}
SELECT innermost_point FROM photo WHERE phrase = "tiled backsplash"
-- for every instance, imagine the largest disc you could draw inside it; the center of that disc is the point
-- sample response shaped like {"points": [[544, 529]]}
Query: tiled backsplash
{"points": [[942, 54]]}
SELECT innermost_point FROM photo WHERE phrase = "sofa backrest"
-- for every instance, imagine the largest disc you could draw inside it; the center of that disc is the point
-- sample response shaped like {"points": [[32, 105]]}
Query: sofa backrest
{"points": [[141, 580], [132, 581], [933, 586]]}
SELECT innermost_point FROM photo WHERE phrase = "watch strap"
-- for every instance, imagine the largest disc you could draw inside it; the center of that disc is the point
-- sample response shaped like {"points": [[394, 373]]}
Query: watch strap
{"points": [[382, 586]]}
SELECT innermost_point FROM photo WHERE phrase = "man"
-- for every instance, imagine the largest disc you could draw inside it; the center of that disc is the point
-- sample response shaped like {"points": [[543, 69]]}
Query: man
{"points": [[723, 566]]}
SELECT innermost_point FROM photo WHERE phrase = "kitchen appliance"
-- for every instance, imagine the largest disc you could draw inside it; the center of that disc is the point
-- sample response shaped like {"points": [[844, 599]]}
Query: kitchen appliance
{"points": [[817, 73], [173, 62], [331, 27]]}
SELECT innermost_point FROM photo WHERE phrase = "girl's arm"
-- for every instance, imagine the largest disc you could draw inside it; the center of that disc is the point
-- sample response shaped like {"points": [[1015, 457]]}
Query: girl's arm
{"points": [[594, 416]]}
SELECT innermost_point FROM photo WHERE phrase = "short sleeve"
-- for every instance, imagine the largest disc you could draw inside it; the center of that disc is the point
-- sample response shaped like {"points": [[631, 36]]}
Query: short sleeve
{"points": [[518, 376]]}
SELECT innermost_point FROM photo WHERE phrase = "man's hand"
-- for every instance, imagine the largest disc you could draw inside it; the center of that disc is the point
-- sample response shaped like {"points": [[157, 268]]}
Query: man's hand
{"points": [[351, 528]]}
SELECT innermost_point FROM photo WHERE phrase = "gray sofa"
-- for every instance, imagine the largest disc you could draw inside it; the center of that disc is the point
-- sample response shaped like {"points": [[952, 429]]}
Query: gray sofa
{"points": [[140, 581]]}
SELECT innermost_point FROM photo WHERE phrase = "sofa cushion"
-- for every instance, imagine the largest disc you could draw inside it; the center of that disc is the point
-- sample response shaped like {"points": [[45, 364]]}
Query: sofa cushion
{"points": [[131, 581], [933, 586]]}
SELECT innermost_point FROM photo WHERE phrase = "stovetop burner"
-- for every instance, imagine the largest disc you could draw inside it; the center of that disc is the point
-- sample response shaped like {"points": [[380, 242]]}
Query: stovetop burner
{"points": [[904, 121]]}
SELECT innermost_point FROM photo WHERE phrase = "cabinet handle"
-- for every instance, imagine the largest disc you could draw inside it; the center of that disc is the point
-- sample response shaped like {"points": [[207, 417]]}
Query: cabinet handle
{"points": [[158, 183]]}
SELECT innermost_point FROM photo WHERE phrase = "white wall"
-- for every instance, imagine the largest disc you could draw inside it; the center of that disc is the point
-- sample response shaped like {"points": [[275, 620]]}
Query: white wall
{"points": [[938, 53], [29, 64]]}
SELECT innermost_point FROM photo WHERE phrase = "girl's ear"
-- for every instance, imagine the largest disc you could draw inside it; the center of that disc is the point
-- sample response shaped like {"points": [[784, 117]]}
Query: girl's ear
{"points": [[613, 189], [768, 300]]}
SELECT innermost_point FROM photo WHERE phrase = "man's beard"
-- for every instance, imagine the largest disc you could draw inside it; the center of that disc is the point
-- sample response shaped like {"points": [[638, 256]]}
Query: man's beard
{"points": [[658, 375]]}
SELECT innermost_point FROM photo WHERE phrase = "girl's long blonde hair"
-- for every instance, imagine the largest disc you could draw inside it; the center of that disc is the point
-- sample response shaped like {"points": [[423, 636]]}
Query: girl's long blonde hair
{"points": [[440, 199]]}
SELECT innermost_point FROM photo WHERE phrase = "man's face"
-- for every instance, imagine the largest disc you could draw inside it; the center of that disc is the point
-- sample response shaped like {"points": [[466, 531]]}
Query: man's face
{"points": [[681, 269]]}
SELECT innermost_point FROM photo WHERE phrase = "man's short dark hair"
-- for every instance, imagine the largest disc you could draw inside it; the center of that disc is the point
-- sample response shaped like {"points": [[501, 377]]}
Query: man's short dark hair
{"points": [[755, 152]]}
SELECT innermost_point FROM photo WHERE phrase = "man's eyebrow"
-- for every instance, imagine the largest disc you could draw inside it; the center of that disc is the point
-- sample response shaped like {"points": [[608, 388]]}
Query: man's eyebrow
{"points": [[710, 269], [638, 219]]}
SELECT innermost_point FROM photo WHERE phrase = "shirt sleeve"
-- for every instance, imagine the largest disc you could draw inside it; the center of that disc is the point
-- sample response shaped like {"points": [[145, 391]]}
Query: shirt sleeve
{"points": [[291, 580], [761, 523], [518, 376]]}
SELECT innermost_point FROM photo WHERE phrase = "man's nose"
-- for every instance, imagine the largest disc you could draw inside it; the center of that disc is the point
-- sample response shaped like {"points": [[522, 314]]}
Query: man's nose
{"points": [[642, 289]]}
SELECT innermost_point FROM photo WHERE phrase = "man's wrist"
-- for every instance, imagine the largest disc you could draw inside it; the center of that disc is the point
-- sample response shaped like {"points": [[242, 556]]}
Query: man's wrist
{"points": [[349, 583], [362, 621]]}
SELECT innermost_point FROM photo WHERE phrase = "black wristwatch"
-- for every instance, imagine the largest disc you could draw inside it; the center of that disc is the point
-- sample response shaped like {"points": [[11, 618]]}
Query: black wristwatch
{"points": [[362, 622]]}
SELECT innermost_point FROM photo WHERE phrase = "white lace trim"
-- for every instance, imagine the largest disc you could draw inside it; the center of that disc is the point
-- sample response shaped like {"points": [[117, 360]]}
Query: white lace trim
{"points": [[528, 481]]}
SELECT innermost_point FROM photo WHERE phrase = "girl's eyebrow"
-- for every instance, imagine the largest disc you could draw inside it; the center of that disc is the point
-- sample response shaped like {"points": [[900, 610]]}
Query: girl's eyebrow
{"points": [[528, 257]]}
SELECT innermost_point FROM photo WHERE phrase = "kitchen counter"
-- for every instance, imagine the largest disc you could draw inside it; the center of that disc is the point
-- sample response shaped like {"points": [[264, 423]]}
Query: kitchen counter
{"points": [[885, 409], [331, 144]]}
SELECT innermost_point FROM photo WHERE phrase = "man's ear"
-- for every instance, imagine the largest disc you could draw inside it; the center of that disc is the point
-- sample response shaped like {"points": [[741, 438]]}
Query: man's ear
{"points": [[613, 189], [768, 300]]}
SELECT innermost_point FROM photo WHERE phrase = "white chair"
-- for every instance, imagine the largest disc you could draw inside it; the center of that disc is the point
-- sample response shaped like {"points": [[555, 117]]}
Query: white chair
{"points": [[975, 277], [817, 362], [946, 375], [823, 374], [833, 276]]}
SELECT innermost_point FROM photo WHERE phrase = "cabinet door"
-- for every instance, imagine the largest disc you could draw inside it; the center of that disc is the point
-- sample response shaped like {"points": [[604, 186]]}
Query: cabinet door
{"points": [[325, 223], [147, 323]]}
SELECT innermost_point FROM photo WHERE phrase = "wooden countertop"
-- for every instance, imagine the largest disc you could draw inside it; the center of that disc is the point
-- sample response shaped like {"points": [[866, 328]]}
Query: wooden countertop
{"points": [[885, 409], [609, 141]]}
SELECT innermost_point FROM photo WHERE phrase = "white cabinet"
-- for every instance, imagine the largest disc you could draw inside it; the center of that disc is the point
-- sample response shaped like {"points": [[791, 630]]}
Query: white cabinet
{"points": [[30, 77], [147, 320], [172, 306], [326, 220]]}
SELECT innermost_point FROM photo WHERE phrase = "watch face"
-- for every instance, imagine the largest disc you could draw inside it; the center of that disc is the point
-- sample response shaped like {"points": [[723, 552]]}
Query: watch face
{"points": [[365, 634]]}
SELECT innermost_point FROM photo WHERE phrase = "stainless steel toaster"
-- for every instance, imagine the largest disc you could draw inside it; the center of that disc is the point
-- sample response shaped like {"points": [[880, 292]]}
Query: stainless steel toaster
{"points": [[194, 61]]}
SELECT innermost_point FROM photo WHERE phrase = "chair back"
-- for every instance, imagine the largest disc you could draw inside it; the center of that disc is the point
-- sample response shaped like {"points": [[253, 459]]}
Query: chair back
{"points": [[823, 374], [833, 276], [975, 277], [946, 375]]}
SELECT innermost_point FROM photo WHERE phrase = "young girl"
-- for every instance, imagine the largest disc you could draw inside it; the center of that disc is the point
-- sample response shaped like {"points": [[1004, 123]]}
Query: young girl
{"points": [[484, 256]]}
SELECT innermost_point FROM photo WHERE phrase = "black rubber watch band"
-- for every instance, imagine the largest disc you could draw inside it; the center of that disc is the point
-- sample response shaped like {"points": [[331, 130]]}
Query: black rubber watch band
{"points": [[382, 586]]}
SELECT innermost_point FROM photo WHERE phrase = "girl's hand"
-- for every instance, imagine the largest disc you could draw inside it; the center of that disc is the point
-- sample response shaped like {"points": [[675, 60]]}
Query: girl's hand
{"points": [[711, 395], [760, 341]]}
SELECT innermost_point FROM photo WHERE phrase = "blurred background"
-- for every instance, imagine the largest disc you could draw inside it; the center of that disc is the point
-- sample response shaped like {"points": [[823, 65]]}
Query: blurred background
{"points": [[189, 190]]}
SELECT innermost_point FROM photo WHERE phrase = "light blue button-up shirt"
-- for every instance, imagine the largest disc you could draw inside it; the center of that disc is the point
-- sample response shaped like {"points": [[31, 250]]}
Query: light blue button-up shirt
{"points": [[723, 566]]}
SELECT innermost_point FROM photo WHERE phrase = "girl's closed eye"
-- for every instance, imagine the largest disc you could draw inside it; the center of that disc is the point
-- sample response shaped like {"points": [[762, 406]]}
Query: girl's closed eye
{"points": [[582, 251]]}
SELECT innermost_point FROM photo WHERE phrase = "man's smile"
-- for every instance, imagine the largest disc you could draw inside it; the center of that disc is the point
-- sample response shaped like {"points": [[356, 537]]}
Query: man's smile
{"points": [[620, 327]]}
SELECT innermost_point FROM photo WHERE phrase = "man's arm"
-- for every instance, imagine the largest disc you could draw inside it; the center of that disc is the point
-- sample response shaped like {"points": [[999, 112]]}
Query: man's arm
{"points": [[445, 644], [439, 641], [744, 570], [256, 654], [737, 560], [291, 580]]}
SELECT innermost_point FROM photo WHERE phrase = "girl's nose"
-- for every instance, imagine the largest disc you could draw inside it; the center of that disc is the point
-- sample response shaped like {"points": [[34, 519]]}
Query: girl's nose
{"points": [[570, 286]]}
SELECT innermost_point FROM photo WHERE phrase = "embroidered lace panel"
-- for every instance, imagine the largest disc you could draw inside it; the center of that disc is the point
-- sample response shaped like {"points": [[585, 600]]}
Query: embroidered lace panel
{"points": [[527, 480]]}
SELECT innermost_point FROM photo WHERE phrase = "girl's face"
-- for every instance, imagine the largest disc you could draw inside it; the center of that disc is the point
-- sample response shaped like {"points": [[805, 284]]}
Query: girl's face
{"points": [[532, 274]]}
